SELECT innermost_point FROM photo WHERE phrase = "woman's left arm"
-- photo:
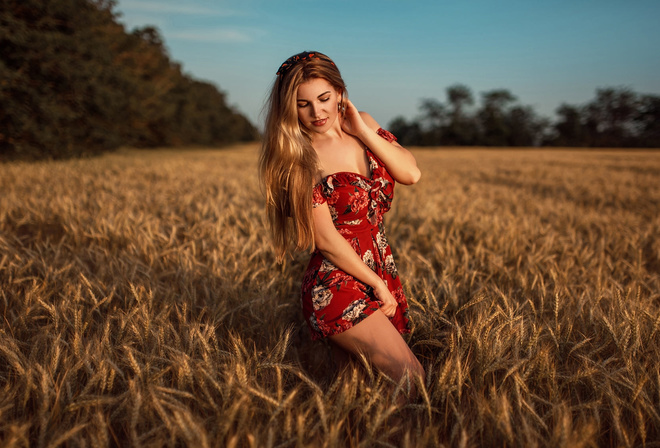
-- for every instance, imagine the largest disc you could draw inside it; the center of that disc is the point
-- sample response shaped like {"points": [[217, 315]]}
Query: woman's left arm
{"points": [[400, 162]]}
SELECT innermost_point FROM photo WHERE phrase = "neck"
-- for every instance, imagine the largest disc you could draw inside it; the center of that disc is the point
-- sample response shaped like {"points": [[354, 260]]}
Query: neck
{"points": [[334, 133]]}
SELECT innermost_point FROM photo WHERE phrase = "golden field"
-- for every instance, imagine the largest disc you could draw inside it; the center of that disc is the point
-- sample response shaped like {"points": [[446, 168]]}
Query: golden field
{"points": [[141, 306]]}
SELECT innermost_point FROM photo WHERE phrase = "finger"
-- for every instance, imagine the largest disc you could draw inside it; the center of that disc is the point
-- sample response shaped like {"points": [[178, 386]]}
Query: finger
{"points": [[384, 307]]}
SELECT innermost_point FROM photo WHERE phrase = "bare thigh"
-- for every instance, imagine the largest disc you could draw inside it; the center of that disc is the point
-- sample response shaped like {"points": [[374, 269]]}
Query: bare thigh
{"points": [[377, 339]]}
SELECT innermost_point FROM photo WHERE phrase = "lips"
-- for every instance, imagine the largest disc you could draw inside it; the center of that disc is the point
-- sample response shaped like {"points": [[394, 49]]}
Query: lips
{"points": [[320, 123]]}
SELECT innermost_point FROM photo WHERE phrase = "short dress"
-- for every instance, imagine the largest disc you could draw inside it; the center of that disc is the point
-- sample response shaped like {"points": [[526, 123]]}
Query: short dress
{"points": [[332, 300]]}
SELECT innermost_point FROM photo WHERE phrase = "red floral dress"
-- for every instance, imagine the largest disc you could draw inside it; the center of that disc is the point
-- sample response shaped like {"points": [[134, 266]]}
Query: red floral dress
{"points": [[332, 300]]}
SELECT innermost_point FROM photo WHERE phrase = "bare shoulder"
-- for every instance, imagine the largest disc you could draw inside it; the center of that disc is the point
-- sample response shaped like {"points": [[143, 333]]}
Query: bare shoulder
{"points": [[369, 121]]}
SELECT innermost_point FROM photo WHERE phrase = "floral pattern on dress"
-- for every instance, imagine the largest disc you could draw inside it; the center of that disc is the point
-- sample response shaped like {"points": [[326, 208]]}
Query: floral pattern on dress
{"points": [[368, 259], [354, 310], [321, 296], [390, 267], [327, 266], [332, 300]]}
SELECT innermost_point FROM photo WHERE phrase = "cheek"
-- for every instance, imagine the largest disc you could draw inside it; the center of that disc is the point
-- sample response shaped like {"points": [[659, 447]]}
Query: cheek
{"points": [[303, 118], [301, 113]]}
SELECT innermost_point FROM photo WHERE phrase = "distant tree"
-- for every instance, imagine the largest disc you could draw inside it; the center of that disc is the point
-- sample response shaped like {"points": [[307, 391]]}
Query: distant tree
{"points": [[492, 118], [525, 127], [407, 133], [610, 117], [74, 82], [616, 117], [201, 115], [461, 129], [569, 130], [459, 96], [434, 119], [647, 121]]}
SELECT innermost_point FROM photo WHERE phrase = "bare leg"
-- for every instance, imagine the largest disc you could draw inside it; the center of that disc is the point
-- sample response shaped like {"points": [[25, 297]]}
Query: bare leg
{"points": [[381, 343]]}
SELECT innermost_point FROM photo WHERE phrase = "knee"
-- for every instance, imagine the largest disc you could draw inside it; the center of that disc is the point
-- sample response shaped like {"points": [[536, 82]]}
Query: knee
{"points": [[408, 366], [420, 372]]}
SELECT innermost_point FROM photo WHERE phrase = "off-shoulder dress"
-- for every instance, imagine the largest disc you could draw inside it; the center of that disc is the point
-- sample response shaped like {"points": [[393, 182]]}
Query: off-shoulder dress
{"points": [[332, 300]]}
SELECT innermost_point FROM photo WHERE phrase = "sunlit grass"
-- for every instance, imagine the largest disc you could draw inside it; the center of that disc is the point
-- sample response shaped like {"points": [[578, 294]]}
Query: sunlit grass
{"points": [[142, 306]]}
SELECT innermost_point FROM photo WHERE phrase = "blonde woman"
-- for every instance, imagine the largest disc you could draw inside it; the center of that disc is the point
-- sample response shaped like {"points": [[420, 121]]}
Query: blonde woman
{"points": [[329, 173]]}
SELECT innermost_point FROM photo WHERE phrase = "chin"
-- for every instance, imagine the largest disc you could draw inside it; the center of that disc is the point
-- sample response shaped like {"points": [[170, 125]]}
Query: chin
{"points": [[322, 129]]}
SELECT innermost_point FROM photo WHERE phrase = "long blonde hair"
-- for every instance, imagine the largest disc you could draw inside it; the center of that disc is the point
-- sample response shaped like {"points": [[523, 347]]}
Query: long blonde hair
{"points": [[288, 164]]}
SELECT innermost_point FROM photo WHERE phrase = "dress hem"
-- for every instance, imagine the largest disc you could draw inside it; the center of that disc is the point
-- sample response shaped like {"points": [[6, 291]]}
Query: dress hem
{"points": [[316, 335]]}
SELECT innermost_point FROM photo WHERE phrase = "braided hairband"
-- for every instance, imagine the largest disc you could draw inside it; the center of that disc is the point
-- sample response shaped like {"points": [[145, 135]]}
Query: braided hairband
{"points": [[293, 60]]}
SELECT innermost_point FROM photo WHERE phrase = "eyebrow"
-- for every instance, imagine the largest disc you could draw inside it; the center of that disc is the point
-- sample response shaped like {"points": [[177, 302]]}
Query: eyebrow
{"points": [[324, 93]]}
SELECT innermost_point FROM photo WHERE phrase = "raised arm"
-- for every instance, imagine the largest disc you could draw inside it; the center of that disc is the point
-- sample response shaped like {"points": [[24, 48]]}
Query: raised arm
{"points": [[400, 162], [339, 252]]}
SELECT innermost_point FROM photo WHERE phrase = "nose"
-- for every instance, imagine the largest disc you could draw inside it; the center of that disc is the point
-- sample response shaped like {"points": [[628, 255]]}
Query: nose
{"points": [[316, 109]]}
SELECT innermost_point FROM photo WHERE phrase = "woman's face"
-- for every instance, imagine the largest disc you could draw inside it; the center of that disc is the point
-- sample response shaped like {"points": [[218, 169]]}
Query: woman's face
{"points": [[318, 104]]}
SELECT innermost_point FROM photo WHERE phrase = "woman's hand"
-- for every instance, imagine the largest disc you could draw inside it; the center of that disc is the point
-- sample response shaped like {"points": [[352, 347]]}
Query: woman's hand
{"points": [[387, 302], [352, 123], [400, 162], [339, 252]]}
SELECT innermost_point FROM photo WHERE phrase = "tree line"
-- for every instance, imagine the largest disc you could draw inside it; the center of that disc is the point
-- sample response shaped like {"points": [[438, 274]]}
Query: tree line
{"points": [[616, 117], [74, 82]]}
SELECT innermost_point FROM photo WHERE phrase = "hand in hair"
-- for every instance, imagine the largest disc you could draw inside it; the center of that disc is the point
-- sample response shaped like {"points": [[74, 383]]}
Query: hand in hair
{"points": [[352, 122]]}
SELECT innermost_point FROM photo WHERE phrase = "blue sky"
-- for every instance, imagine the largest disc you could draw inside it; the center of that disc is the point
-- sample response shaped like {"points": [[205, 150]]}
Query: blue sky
{"points": [[394, 53]]}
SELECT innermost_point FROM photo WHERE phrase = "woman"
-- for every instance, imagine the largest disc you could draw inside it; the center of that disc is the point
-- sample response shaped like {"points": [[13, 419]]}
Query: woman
{"points": [[329, 173]]}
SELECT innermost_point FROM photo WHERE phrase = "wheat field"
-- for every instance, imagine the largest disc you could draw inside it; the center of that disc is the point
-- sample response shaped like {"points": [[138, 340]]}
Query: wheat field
{"points": [[142, 306]]}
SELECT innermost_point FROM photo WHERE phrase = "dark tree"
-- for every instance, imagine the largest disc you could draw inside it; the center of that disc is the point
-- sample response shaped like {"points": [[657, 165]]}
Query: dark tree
{"points": [[647, 121], [569, 130], [407, 133], [433, 121], [616, 117], [57, 91], [459, 97], [492, 118], [73, 82], [609, 117], [525, 128], [462, 129]]}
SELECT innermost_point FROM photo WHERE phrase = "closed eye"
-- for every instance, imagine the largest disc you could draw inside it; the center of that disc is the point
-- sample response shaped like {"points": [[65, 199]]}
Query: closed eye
{"points": [[323, 100], [305, 104]]}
